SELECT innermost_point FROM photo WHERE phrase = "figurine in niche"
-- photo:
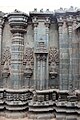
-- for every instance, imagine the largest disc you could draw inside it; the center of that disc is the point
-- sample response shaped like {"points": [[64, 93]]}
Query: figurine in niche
{"points": [[34, 95], [53, 70]]}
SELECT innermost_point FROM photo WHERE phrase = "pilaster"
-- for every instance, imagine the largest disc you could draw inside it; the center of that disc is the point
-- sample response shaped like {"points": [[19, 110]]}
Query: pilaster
{"points": [[1, 35], [60, 25], [70, 23]]}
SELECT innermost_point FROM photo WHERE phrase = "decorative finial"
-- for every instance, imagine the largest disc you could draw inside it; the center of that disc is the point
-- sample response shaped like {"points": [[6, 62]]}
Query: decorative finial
{"points": [[16, 11], [47, 10], [41, 10], [35, 9]]}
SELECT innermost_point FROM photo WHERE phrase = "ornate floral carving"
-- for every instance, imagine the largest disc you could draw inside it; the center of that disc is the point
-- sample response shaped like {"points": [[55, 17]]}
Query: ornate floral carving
{"points": [[28, 61], [28, 57], [53, 70], [53, 55], [6, 56], [41, 57], [53, 61]]}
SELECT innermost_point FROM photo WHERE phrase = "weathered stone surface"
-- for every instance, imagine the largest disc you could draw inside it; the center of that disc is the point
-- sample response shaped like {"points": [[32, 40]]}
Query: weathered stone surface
{"points": [[40, 64]]}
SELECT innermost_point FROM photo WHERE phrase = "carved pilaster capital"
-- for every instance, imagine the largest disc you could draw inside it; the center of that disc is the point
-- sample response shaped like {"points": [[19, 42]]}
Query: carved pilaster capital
{"points": [[47, 22], [60, 21], [35, 21], [17, 21], [69, 20]]}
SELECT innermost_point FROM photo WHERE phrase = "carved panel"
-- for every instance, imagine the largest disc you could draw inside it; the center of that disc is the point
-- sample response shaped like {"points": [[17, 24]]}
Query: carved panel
{"points": [[6, 56], [41, 57], [53, 55], [53, 61], [28, 56], [17, 96]]}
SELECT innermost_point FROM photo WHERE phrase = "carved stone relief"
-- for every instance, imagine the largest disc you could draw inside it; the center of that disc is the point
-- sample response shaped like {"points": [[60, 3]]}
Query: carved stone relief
{"points": [[28, 61], [53, 61], [17, 96], [28, 56], [6, 71], [6, 59], [6, 56], [41, 57]]}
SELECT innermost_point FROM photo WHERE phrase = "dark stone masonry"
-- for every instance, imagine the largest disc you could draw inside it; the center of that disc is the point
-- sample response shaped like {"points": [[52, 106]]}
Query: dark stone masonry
{"points": [[40, 65]]}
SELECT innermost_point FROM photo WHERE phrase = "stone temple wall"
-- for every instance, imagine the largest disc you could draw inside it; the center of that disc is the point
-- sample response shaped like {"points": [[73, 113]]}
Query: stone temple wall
{"points": [[40, 64]]}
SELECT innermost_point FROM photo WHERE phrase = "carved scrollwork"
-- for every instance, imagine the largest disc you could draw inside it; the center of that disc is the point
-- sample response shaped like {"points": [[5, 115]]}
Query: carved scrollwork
{"points": [[6, 56], [28, 56], [41, 57], [53, 55], [28, 61], [17, 96], [53, 61]]}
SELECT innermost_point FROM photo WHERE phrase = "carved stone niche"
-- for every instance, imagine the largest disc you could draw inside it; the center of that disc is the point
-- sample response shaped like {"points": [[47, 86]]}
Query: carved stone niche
{"points": [[40, 98], [34, 96], [53, 62], [54, 96]]}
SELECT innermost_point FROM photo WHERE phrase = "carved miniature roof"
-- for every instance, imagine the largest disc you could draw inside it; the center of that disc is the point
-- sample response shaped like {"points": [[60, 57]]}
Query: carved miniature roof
{"points": [[64, 10], [41, 11], [17, 12], [47, 13]]}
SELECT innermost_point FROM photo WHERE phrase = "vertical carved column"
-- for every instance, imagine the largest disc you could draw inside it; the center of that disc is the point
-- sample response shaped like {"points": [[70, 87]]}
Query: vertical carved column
{"points": [[15, 94], [1, 30], [47, 24], [17, 60], [65, 56], [60, 24], [75, 55], [38, 71], [44, 72], [70, 54], [41, 82], [18, 29], [35, 23], [78, 85]]}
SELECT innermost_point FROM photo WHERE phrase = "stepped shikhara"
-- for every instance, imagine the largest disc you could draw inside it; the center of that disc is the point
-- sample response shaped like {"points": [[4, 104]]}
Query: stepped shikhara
{"points": [[40, 64]]}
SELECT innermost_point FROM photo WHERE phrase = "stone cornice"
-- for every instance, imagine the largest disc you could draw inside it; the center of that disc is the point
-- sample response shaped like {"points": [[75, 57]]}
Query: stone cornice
{"points": [[55, 15]]}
